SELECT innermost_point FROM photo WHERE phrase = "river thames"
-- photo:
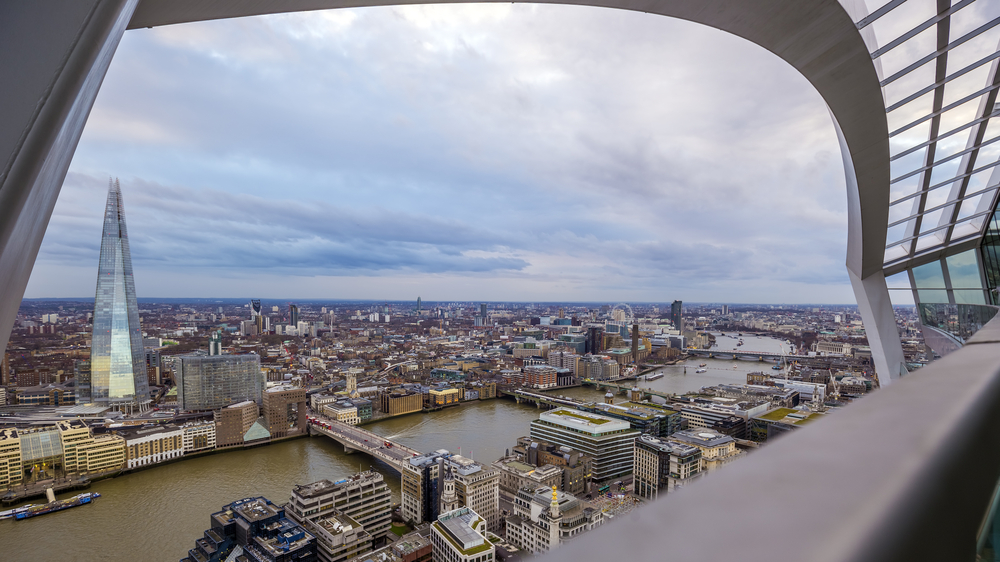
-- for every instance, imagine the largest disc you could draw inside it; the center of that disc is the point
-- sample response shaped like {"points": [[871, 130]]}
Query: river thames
{"points": [[157, 514]]}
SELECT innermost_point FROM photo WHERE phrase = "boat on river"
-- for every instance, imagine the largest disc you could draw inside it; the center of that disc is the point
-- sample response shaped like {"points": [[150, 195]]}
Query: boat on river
{"points": [[653, 376], [28, 512], [10, 513], [701, 370]]}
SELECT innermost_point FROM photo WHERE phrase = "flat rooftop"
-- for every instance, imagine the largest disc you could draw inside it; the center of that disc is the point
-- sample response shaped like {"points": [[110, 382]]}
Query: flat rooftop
{"points": [[593, 423]]}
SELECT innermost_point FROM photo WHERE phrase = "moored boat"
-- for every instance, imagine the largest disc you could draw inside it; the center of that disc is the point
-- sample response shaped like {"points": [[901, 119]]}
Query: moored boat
{"points": [[28, 512]]}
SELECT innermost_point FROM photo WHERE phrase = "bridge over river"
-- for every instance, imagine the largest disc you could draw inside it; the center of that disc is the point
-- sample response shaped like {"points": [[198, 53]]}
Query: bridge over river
{"points": [[354, 438], [744, 354]]}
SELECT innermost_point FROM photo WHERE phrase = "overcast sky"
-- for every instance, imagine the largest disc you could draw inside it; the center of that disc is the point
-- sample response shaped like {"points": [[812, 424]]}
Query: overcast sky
{"points": [[498, 152]]}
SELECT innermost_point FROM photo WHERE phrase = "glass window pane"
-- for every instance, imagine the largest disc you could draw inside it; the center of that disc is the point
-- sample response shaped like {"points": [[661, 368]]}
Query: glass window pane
{"points": [[929, 276], [935, 296], [964, 271], [969, 297]]}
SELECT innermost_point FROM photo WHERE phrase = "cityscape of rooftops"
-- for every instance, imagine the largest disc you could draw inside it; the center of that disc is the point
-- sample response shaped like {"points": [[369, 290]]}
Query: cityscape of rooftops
{"points": [[470, 282]]}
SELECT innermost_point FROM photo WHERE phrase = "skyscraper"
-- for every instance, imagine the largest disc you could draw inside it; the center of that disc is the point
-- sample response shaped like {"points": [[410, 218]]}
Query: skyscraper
{"points": [[293, 315], [676, 316], [117, 362]]}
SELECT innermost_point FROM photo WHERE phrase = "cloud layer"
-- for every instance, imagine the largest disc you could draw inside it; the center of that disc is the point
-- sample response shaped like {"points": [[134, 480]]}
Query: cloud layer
{"points": [[500, 152]]}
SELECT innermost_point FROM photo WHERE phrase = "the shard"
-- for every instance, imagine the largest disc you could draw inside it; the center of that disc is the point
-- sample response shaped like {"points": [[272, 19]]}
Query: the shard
{"points": [[117, 363]]}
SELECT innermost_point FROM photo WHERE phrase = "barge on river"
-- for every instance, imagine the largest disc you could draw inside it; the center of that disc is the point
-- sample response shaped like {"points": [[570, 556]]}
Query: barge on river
{"points": [[29, 511]]}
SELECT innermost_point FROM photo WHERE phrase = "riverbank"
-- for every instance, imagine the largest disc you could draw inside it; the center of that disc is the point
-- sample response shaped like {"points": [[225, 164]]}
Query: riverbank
{"points": [[59, 486]]}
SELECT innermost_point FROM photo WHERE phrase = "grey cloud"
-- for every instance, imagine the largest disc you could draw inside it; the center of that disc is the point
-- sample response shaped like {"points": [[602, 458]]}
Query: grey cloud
{"points": [[551, 142]]}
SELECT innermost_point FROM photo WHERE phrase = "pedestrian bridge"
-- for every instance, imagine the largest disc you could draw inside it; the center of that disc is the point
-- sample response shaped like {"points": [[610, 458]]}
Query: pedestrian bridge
{"points": [[354, 438]]}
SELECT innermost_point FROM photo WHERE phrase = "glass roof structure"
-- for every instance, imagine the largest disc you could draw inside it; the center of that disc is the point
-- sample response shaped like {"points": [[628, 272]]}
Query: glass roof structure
{"points": [[937, 66]]}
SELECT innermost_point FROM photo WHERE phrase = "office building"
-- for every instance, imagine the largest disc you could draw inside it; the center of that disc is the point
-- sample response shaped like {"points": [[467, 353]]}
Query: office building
{"points": [[338, 537], [540, 376], [343, 411], [253, 530], [460, 536], [118, 377], [677, 315], [595, 339], [444, 397], [215, 343], [210, 382], [198, 436], [284, 410], [641, 419], [671, 419], [516, 474], [419, 488], [597, 367], [412, 547], [151, 445], [398, 402], [293, 315], [607, 440], [717, 449], [66, 449], [545, 518], [577, 467], [233, 422], [364, 497], [662, 466], [476, 486], [10, 457]]}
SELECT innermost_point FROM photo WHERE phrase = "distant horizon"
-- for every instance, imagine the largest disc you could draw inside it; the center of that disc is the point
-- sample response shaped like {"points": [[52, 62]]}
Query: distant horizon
{"points": [[397, 301]]}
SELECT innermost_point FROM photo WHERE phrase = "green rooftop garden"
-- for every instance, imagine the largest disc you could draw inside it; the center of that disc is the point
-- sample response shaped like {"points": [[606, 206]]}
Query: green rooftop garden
{"points": [[777, 415], [584, 417]]}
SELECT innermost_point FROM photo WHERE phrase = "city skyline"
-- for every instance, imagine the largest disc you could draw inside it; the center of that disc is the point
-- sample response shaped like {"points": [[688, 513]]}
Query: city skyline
{"points": [[330, 175]]}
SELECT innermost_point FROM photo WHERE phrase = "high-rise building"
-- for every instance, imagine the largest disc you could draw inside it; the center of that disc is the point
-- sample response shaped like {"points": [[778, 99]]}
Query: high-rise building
{"points": [[663, 466], [215, 343], [477, 486], [482, 309], [118, 377], [216, 381], [284, 410], [676, 315], [255, 530], [365, 497], [257, 315], [608, 441], [418, 304], [595, 339], [293, 315]]}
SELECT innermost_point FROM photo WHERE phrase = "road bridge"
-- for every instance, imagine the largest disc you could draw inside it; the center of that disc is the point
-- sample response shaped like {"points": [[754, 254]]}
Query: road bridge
{"points": [[354, 438]]}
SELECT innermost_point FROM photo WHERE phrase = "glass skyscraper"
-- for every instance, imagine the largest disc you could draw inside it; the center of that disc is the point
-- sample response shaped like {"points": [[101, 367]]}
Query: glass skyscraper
{"points": [[117, 362], [210, 382]]}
